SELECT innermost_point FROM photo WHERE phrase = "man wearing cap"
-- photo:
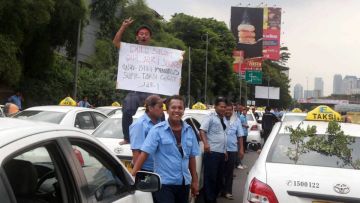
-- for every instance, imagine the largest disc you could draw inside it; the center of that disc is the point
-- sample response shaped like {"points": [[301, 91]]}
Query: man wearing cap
{"points": [[133, 100]]}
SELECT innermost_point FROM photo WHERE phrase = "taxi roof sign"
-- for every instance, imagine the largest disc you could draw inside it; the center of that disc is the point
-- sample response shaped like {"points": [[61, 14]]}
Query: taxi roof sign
{"points": [[115, 104], [296, 110], [199, 106], [323, 113], [68, 101]]}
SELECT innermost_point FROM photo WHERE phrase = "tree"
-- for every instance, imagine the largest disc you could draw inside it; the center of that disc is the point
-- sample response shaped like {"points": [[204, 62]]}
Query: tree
{"points": [[192, 32], [32, 30]]}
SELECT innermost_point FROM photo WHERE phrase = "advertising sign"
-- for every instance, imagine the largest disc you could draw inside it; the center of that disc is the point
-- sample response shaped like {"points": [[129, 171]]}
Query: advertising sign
{"points": [[264, 92], [251, 64], [247, 27], [149, 69], [238, 60], [271, 33]]}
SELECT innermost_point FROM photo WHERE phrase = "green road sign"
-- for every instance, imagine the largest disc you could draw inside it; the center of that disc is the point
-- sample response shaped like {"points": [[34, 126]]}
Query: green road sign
{"points": [[253, 77]]}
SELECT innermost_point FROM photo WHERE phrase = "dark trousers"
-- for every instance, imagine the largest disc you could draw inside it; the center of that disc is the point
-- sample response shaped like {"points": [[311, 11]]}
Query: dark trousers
{"points": [[172, 194], [229, 172], [126, 122], [213, 175], [244, 142], [266, 133]]}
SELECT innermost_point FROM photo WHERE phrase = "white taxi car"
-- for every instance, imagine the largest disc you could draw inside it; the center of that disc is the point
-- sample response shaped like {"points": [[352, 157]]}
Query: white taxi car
{"points": [[43, 162], [86, 119], [293, 116], [301, 163], [254, 136]]}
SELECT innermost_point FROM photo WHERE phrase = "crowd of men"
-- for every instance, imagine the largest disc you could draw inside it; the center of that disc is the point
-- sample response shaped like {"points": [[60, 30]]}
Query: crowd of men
{"points": [[168, 147]]}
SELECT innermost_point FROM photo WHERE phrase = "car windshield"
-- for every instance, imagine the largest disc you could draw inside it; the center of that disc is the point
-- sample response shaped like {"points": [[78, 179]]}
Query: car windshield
{"points": [[294, 118], [104, 110], [315, 154], [46, 116], [110, 128]]}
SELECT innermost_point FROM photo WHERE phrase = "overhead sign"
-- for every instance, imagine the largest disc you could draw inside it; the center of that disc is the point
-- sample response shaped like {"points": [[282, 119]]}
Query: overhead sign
{"points": [[323, 113], [264, 92], [68, 101], [149, 69], [271, 33], [253, 77]]}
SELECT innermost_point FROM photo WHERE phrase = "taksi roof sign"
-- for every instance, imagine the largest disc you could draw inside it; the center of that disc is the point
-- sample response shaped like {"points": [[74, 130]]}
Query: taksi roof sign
{"points": [[323, 113]]}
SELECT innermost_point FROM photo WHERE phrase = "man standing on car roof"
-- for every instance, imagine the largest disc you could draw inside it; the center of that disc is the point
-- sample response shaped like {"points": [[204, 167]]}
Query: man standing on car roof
{"points": [[212, 132], [174, 146], [140, 128], [133, 99]]}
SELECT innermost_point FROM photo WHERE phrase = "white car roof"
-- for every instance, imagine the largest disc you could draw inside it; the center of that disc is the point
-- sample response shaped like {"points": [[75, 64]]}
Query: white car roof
{"points": [[58, 108], [294, 114], [351, 129], [12, 129], [109, 107]]}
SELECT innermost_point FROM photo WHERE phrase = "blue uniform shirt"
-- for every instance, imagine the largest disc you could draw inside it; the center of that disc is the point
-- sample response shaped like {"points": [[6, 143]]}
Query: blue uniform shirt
{"points": [[168, 162], [243, 120], [233, 132], [214, 132], [138, 132]]}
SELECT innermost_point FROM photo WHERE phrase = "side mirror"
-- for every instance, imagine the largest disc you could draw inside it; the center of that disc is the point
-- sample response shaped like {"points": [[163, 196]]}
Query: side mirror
{"points": [[147, 181]]}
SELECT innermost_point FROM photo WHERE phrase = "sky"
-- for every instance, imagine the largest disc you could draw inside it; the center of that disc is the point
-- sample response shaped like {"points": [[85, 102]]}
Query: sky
{"points": [[323, 36]]}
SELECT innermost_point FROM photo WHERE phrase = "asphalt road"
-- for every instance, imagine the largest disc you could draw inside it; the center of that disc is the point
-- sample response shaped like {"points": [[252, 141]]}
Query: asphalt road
{"points": [[239, 180]]}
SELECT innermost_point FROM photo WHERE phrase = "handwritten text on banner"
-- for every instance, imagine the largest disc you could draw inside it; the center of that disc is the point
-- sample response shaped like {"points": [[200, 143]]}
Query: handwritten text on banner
{"points": [[149, 69]]}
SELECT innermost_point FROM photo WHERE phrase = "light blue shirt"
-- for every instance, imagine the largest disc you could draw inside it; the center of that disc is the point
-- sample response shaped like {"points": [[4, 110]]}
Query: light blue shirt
{"points": [[243, 120], [168, 162], [214, 132], [138, 132], [233, 132]]}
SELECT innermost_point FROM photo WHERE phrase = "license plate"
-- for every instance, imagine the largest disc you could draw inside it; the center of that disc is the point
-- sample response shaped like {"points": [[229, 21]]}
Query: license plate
{"points": [[127, 164]]}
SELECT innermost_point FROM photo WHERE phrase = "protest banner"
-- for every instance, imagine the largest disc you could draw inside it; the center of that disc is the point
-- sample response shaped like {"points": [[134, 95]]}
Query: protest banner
{"points": [[149, 69]]}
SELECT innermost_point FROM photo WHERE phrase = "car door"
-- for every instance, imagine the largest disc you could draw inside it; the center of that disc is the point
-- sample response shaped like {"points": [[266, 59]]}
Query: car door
{"points": [[103, 177], [35, 170], [99, 118], [85, 122]]}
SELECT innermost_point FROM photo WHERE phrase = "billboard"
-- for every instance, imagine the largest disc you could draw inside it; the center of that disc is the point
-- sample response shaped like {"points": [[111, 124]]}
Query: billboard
{"points": [[264, 92], [257, 31], [245, 64], [271, 33], [247, 27]]}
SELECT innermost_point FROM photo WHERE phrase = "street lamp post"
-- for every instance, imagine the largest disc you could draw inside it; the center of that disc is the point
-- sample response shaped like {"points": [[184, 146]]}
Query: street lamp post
{"points": [[268, 90], [206, 65]]}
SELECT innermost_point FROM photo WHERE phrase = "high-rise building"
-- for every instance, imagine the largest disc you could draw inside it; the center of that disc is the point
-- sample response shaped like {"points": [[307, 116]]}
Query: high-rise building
{"points": [[337, 84], [298, 91], [349, 84], [308, 94], [318, 87]]}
